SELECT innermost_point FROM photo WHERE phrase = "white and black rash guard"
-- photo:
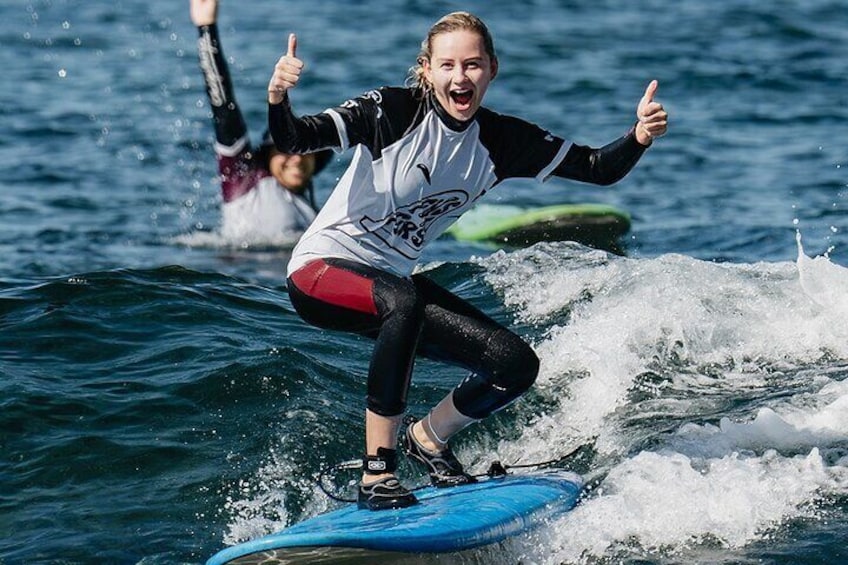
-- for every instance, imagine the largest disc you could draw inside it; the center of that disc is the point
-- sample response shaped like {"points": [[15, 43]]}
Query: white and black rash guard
{"points": [[416, 170]]}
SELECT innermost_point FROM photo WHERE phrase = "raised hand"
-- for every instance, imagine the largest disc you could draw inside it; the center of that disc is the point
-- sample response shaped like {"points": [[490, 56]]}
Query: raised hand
{"points": [[203, 12], [653, 119], [286, 73]]}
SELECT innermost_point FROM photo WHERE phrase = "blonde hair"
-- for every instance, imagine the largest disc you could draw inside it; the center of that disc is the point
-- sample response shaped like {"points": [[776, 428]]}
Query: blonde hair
{"points": [[454, 21]]}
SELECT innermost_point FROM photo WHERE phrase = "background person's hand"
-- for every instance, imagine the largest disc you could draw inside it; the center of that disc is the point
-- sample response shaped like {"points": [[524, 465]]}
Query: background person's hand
{"points": [[203, 12]]}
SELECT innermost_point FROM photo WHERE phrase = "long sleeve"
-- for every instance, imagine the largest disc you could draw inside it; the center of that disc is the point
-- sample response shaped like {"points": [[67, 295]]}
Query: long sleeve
{"points": [[603, 166], [300, 135], [229, 123]]}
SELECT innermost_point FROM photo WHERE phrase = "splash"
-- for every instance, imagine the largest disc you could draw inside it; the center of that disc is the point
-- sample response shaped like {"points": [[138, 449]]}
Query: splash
{"points": [[667, 502], [713, 393], [608, 321], [235, 241], [824, 282], [259, 505], [728, 484]]}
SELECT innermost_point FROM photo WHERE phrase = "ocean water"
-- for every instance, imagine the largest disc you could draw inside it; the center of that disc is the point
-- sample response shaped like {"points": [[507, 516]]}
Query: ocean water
{"points": [[160, 400]]}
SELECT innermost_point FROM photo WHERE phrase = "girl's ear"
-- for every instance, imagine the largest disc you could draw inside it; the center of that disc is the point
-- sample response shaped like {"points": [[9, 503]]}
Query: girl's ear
{"points": [[428, 72]]}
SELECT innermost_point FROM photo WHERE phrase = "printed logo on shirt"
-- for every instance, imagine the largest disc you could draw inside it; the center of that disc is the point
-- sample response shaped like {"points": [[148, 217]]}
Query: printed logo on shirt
{"points": [[426, 172], [405, 230], [374, 95]]}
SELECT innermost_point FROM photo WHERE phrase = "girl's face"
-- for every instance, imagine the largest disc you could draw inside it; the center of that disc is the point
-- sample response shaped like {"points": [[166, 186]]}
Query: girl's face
{"points": [[460, 71]]}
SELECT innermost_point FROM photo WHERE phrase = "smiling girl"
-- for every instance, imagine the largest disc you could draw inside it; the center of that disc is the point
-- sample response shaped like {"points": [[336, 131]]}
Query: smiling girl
{"points": [[424, 155]]}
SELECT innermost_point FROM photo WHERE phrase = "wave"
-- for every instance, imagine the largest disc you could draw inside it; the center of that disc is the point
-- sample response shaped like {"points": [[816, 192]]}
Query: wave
{"points": [[710, 396]]}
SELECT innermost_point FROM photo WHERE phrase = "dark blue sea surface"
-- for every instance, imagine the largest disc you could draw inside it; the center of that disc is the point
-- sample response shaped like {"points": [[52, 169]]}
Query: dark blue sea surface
{"points": [[160, 400]]}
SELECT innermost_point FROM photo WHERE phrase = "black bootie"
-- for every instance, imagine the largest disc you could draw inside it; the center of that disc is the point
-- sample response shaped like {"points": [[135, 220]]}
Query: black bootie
{"points": [[444, 468], [387, 492]]}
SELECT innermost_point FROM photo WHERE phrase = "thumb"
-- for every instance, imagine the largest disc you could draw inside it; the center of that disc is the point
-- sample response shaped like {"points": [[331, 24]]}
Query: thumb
{"points": [[292, 45], [651, 91]]}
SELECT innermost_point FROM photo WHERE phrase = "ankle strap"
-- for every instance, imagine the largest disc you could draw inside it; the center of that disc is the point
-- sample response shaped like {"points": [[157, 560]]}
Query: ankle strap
{"points": [[384, 462]]}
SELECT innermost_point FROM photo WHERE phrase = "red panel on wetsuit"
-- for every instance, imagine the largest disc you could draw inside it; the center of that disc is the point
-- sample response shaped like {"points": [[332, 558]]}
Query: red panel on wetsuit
{"points": [[336, 286]]}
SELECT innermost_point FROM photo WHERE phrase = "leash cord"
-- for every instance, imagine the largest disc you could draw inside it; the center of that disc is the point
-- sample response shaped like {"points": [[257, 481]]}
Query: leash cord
{"points": [[496, 469]]}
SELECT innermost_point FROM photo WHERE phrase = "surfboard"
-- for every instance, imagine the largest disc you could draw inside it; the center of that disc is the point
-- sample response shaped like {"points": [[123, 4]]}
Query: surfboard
{"points": [[597, 225], [445, 520]]}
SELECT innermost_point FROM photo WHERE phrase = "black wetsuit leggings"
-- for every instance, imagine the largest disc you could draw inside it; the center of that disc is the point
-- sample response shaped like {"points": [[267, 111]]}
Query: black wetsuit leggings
{"points": [[414, 316]]}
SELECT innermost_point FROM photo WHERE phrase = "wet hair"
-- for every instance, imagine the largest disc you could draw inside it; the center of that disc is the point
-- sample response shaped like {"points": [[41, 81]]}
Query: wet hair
{"points": [[454, 21], [263, 153]]}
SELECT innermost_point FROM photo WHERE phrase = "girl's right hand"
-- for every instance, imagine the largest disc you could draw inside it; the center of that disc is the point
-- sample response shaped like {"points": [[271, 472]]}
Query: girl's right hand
{"points": [[286, 73]]}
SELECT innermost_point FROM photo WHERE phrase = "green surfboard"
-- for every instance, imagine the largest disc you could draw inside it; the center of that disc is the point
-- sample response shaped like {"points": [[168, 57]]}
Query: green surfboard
{"points": [[596, 225]]}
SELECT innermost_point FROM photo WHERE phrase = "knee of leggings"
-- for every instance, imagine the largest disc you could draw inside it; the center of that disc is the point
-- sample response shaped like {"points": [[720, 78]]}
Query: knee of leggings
{"points": [[513, 365], [509, 369]]}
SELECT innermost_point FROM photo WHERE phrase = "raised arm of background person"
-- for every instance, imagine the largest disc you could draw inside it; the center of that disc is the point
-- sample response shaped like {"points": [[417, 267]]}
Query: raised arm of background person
{"points": [[229, 123]]}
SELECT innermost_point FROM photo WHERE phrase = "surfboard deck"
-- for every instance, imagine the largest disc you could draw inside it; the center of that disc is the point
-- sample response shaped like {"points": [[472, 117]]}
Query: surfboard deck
{"points": [[445, 520], [597, 225]]}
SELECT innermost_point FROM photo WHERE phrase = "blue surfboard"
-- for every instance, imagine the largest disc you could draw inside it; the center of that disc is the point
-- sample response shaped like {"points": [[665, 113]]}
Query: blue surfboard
{"points": [[445, 520]]}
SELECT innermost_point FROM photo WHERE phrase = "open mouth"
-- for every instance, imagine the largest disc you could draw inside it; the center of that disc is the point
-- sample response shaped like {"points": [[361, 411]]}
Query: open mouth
{"points": [[461, 97]]}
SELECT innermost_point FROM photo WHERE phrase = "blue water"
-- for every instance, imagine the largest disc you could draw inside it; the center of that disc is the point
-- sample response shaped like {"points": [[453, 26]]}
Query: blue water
{"points": [[160, 400]]}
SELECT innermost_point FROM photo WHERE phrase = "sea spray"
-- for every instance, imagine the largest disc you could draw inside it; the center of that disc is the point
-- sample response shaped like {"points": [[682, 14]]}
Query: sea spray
{"points": [[637, 357]]}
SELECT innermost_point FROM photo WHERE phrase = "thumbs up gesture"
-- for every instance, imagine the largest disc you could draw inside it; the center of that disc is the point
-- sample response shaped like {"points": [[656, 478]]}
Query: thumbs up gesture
{"points": [[653, 119], [286, 73]]}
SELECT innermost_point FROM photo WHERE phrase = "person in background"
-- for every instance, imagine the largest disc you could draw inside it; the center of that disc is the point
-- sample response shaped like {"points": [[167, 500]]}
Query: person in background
{"points": [[424, 154], [267, 195]]}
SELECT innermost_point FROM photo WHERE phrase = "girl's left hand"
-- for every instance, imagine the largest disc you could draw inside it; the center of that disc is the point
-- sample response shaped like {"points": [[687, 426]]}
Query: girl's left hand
{"points": [[653, 119]]}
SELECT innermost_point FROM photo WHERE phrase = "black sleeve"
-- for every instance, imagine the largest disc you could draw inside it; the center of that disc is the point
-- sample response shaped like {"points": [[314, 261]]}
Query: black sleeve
{"points": [[229, 123], [375, 119], [300, 135], [603, 166]]}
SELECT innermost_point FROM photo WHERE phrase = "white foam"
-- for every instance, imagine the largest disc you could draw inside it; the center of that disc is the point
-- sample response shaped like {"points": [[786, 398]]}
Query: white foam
{"points": [[824, 282], [242, 240], [728, 484], [629, 346], [688, 318], [259, 507], [668, 502]]}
